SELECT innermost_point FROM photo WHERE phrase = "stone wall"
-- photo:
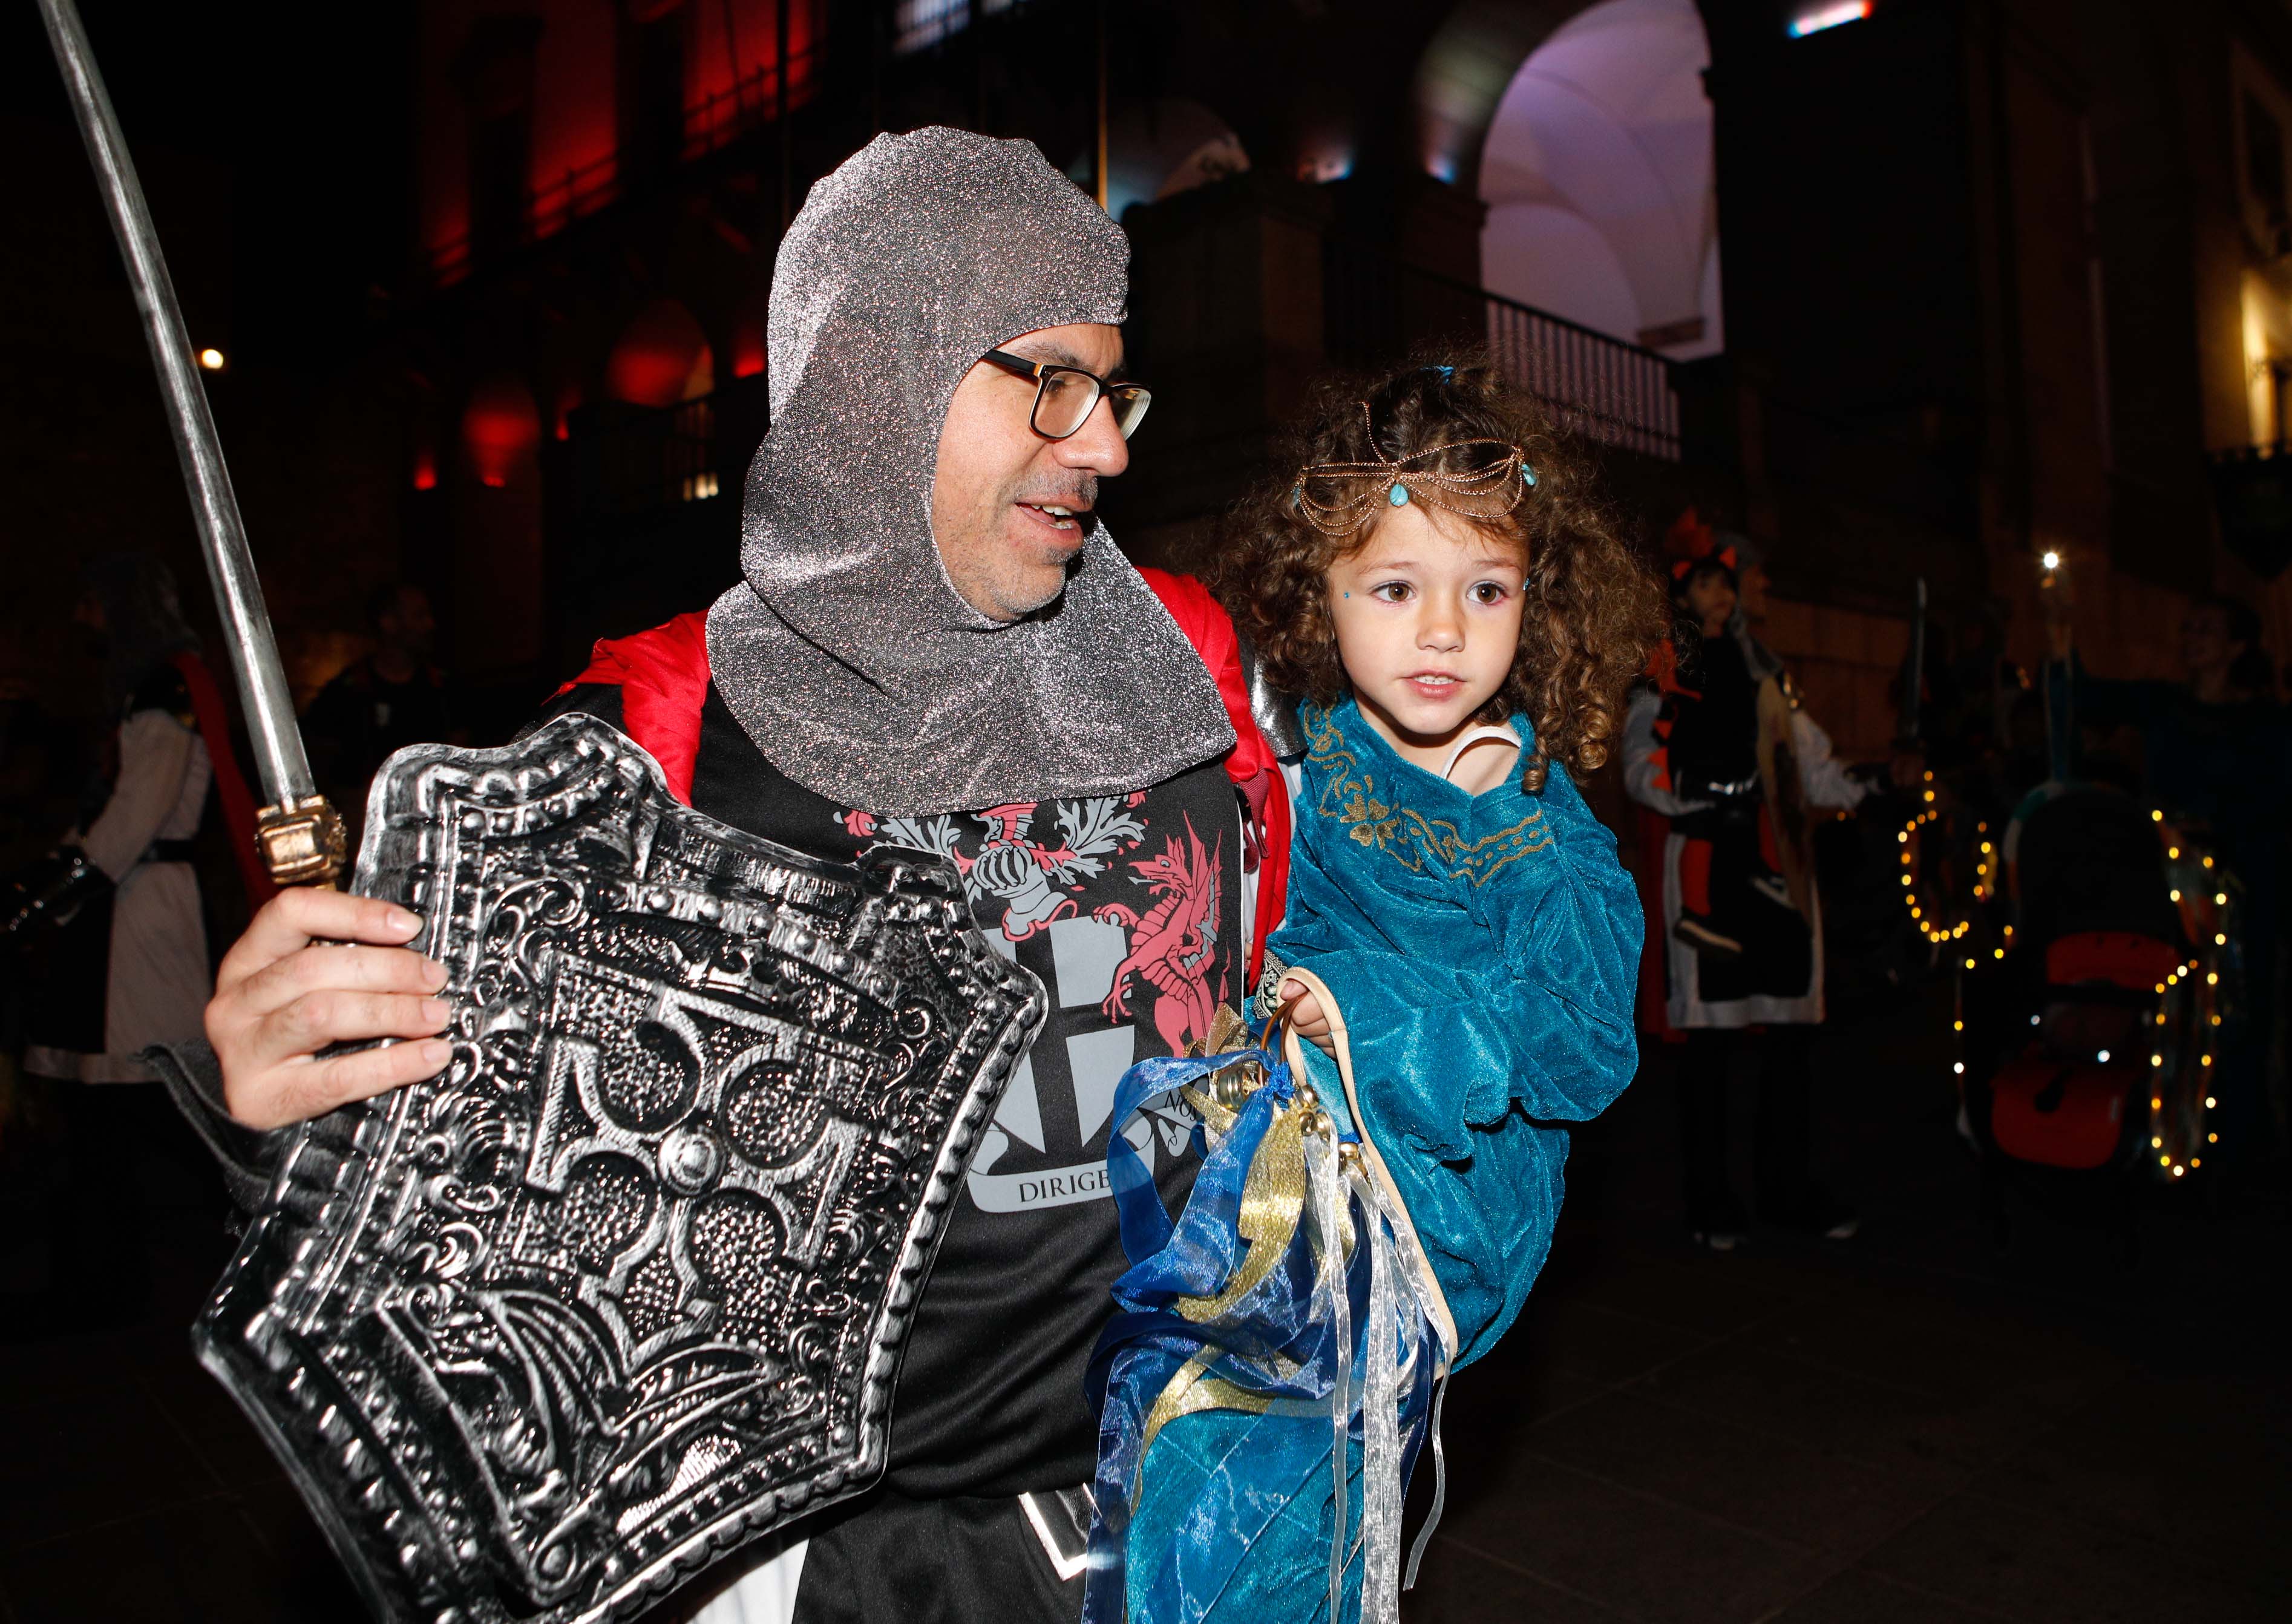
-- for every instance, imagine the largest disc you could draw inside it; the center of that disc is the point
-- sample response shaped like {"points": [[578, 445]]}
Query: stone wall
{"points": [[1847, 666]]}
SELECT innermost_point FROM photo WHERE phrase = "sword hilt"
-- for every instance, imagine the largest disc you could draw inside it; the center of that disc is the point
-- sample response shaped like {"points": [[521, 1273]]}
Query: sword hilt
{"points": [[304, 843]]}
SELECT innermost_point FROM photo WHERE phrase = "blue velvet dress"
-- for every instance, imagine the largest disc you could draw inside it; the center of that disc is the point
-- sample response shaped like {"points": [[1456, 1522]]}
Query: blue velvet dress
{"points": [[1483, 952]]}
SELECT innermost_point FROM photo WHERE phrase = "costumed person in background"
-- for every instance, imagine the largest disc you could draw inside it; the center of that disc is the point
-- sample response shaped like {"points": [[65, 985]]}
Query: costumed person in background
{"points": [[2216, 755], [1460, 944], [936, 645], [115, 953], [378, 705], [1717, 747]]}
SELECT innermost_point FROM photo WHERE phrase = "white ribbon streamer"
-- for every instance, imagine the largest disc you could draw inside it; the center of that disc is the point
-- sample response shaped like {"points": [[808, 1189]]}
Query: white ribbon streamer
{"points": [[1381, 1424], [1328, 1196]]}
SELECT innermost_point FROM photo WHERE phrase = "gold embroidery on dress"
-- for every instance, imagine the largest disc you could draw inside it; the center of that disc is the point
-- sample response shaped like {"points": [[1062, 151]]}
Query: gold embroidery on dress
{"points": [[1348, 797]]}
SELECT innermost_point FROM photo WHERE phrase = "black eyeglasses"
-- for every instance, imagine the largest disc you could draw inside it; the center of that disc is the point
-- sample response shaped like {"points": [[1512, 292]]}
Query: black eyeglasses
{"points": [[1066, 396]]}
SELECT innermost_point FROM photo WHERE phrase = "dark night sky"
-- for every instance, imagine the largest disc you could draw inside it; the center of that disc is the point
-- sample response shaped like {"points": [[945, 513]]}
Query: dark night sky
{"points": [[307, 108]]}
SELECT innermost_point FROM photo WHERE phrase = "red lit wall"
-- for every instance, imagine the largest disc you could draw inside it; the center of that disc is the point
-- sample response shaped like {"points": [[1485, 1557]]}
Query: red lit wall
{"points": [[730, 81], [749, 327], [714, 111]]}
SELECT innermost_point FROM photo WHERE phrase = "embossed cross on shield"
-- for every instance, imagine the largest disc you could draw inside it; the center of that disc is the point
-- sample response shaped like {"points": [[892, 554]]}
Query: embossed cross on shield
{"points": [[626, 1285]]}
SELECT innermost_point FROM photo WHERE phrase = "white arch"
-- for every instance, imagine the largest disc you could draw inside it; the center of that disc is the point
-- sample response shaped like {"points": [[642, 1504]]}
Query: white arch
{"points": [[1605, 133]]}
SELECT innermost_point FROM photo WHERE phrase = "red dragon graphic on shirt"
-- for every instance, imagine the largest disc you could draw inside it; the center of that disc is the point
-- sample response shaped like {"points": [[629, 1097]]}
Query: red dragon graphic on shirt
{"points": [[1173, 943]]}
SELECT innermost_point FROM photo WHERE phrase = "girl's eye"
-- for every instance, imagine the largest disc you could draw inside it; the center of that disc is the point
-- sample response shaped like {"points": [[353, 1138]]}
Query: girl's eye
{"points": [[1391, 592], [1489, 592]]}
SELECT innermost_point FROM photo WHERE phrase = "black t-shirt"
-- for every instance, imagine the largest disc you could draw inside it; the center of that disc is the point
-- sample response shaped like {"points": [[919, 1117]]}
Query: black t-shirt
{"points": [[1128, 908]]}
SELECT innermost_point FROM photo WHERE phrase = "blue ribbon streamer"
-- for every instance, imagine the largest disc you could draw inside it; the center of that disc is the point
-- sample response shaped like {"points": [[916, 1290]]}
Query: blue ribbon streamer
{"points": [[1236, 1482]]}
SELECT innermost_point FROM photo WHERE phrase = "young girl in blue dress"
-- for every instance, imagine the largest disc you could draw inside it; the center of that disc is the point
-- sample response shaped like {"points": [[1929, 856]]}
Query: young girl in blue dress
{"points": [[1434, 581]]}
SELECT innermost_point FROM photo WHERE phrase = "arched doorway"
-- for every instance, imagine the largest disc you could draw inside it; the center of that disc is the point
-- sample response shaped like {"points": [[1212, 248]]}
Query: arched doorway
{"points": [[1597, 171]]}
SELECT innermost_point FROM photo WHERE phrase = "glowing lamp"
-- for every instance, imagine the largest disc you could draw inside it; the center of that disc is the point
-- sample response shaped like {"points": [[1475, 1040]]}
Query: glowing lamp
{"points": [[501, 429], [211, 360], [2051, 560], [661, 358], [1828, 17]]}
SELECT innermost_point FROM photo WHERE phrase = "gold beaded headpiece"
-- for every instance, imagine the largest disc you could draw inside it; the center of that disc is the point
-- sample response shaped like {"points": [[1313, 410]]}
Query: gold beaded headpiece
{"points": [[1336, 498]]}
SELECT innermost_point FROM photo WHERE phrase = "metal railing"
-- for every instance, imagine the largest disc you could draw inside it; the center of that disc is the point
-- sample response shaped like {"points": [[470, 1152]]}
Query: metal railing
{"points": [[1602, 387], [1376, 311]]}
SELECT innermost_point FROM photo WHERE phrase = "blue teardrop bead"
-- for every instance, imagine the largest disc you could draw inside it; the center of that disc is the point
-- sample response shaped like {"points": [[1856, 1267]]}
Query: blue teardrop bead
{"points": [[1401, 496]]}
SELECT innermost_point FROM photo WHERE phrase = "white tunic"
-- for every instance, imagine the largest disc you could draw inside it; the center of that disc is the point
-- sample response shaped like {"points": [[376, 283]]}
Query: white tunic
{"points": [[158, 980]]}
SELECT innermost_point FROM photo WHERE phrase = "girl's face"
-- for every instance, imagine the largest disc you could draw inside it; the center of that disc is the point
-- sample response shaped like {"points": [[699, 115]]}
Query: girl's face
{"points": [[1709, 596], [1427, 614]]}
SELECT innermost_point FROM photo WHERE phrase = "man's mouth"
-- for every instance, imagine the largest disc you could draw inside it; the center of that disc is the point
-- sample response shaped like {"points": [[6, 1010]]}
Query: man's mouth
{"points": [[1058, 515]]}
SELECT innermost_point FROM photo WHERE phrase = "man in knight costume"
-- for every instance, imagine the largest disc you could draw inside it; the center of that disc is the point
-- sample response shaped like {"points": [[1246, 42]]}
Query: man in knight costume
{"points": [[934, 646]]}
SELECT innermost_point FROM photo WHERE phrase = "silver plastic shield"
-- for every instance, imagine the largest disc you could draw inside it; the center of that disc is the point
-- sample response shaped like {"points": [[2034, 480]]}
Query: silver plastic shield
{"points": [[628, 1285]]}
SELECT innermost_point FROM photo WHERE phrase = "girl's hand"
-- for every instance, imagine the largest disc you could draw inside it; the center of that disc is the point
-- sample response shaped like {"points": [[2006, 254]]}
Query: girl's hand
{"points": [[1305, 1017]]}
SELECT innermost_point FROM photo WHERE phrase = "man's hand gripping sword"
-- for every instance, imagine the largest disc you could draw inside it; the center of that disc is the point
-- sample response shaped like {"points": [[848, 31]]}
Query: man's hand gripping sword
{"points": [[298, 834]]}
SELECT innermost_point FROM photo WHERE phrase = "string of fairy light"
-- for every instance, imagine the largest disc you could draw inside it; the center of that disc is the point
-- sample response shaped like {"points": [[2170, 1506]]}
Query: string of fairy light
{"points": [[2181, 1100], [1928, 903]]}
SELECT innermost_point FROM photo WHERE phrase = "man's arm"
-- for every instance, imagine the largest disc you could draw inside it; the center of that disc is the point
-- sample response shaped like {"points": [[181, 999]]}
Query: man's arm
{"points": [[1820, 778], [320, 968]]}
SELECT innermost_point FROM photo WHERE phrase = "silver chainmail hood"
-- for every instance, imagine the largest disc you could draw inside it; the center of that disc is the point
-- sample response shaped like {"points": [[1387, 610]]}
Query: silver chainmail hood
{"points": [[846, 654]]}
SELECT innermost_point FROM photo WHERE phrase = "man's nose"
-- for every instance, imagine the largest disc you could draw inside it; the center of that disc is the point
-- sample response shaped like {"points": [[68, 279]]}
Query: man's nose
{"points": [[1097, 446]]}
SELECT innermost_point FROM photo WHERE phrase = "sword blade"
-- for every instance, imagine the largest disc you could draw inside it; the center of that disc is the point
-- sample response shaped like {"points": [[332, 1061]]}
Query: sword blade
{"points": [[263, 695]]}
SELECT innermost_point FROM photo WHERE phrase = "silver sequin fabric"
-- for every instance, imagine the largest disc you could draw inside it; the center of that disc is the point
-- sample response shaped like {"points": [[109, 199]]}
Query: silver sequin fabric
{"points": [[845, 653]]}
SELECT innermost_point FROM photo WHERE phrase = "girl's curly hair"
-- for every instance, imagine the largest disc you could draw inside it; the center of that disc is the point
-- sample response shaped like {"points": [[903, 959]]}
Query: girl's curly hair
{"points": [[1593, 611]]}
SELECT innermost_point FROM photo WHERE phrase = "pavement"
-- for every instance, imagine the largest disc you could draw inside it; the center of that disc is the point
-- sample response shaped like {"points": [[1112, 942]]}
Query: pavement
{"points": [[1916, 1425]]}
